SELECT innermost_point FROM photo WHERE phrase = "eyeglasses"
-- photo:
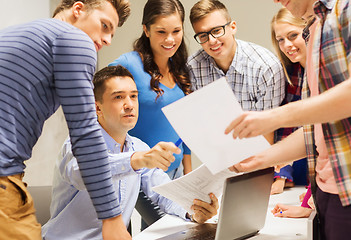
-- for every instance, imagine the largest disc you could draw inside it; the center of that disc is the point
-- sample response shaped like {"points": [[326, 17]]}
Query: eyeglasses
{"points": [[215, 32]]}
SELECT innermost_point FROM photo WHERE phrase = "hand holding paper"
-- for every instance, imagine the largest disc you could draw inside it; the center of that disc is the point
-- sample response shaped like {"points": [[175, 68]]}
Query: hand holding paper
{"points": [[201, 118], [195, 185]]}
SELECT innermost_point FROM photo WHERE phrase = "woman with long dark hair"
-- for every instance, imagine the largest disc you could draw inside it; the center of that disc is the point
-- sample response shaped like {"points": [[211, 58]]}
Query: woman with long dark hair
{"points": [[158, 64]]}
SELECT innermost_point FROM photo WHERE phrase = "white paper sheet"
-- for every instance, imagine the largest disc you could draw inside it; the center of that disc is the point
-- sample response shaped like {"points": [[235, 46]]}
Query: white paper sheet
{"points": [[200, 119], [196, 184]]}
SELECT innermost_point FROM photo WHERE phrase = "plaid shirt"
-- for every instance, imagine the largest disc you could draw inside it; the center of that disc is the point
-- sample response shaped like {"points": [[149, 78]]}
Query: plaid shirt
{"points": [[255, 75], [331, 56], [292, 94]]}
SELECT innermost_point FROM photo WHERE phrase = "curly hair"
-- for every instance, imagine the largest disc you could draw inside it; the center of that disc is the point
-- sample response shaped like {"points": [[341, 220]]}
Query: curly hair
{"points": [[177, 64]]}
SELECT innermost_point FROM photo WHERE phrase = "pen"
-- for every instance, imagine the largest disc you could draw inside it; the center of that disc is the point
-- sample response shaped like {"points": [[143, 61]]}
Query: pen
{"points": [[178, 142]]}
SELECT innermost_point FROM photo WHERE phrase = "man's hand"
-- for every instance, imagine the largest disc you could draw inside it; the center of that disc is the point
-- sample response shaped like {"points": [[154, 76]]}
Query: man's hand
{"points": [[252, 124], [114, 229], [160, 156], [281, 153], [249, 165], [203, 210]]}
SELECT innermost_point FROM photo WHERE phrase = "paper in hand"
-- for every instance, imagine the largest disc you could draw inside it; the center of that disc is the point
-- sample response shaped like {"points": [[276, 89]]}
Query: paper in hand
{"points": [[195, 185], [200, 119]]}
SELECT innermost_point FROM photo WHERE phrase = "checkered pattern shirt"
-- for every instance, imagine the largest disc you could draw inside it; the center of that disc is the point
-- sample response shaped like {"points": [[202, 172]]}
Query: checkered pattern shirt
{"points": [[292, 94], [331, 56], [255, 75]]}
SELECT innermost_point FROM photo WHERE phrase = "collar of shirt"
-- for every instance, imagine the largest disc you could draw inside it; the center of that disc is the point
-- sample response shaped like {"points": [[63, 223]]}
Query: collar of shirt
{"points": [[237, 62], [115, 147], [322, 6], [306, 30]]}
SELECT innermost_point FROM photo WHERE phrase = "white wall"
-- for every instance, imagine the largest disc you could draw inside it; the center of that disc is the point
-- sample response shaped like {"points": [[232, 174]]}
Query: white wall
{"points": [[19, 11], [252, 17]]}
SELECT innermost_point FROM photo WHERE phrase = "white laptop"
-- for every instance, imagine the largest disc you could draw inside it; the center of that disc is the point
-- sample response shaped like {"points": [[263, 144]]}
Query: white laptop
{"points": [[243, 209], [312, 226]]}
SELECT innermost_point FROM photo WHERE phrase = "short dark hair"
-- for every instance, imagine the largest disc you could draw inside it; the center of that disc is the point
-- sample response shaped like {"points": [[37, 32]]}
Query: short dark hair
{"points": [[105, 74], [122, 7]]}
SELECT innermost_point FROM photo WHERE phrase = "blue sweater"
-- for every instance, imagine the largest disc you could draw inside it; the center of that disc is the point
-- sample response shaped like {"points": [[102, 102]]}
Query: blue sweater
{"points": [[152, 126], [45, 64]]}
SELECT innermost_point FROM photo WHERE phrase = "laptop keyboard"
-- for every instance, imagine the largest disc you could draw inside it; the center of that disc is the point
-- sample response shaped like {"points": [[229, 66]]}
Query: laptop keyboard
{"points": [[203, 235], [205, 231]]}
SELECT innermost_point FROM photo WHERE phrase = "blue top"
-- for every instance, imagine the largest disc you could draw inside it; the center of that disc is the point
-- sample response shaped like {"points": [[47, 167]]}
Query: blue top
{"points": [[152, 126], [45, 64], [72, 214]]}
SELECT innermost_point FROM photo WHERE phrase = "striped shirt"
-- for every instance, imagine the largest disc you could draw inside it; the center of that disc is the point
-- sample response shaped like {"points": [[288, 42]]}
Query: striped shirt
{"points": [[331, 57], [255, 75], [45, 64]]}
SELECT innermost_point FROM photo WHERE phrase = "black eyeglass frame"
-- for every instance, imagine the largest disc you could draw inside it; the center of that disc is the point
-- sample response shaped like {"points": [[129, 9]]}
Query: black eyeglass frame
{"points": [[210, 32]]}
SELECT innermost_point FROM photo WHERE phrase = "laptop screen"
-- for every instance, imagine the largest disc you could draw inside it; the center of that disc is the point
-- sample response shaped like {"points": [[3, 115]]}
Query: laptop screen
{"points": [[243, 209], [244, 204]]}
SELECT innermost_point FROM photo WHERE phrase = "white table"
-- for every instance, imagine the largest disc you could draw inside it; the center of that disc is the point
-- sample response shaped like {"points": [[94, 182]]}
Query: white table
{"points": [[275, 228]]}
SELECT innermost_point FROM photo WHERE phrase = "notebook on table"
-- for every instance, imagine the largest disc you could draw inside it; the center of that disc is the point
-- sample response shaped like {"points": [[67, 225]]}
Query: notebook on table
{"points": [[243, 209]]}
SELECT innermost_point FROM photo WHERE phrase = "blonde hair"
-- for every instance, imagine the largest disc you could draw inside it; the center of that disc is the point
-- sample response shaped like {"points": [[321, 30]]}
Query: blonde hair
{"points": [[204, 7], [284, 16]]}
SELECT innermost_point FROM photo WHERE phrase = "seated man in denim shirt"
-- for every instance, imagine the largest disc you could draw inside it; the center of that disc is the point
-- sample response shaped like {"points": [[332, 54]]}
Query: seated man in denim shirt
{"points": [[133, 165]]}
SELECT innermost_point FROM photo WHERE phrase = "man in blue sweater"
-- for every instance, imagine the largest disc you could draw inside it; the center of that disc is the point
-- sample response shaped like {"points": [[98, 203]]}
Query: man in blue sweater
{"points": [[45, 64]]}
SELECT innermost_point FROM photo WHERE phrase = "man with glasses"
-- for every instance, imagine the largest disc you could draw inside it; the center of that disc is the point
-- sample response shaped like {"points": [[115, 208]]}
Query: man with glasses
{"points": [[253, 72]]}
